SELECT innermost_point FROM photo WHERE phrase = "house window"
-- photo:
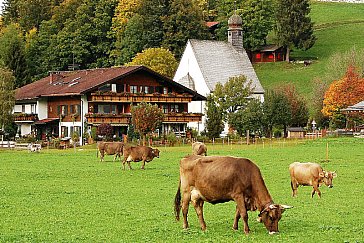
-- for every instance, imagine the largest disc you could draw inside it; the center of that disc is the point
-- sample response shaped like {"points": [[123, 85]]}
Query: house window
{"points": [[107, 109], [33, 108], [133, 89], [270, 56], [106, 87], [64, 131], [146, 89], [23, 108], [75, 109], [63, 110], [165, 108], [175, 108]]}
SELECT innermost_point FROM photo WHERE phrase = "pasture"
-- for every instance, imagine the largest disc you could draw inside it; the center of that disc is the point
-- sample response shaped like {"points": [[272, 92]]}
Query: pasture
{"points": [[68, 196]]}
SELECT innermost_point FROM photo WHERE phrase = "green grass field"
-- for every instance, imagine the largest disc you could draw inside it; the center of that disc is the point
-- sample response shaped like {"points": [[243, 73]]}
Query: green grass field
{"points": [[67, 196]]}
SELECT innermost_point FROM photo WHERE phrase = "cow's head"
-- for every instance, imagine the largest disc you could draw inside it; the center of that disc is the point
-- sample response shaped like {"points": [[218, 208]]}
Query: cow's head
{"points": [[271, 215], [327, 176], [155, 153]]}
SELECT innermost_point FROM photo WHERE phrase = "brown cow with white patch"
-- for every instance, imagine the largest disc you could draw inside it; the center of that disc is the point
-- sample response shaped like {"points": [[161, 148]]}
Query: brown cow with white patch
{"points": [[219, 179], [139, 153], [110, 148], [199, 148], [309, 174]]}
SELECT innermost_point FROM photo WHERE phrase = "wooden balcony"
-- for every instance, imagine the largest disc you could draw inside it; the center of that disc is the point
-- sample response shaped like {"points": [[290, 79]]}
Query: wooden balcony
{"points": [[97, 118], [124, 119], [24, 117], [182, 117], [151, 98]]}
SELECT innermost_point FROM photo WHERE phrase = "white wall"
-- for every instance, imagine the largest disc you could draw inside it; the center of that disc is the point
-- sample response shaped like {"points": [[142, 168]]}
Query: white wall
{"points": [[42, 108]]}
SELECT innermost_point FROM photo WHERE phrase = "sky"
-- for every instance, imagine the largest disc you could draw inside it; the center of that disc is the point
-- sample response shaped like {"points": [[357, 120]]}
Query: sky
{"points": [[1, 5]]}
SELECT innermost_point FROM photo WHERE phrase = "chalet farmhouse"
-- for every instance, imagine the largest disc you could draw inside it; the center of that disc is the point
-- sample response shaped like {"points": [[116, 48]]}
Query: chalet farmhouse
{"points": [[68, 102], [205, 63]]}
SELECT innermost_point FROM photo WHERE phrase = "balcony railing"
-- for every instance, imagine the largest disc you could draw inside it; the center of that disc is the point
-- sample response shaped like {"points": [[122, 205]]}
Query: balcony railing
{"points": [[98, 118], [24, 117], [130, 97]]}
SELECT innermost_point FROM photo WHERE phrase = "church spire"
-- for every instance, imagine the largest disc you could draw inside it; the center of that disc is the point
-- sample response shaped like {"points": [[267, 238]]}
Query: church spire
{"points": [[235, 32]]}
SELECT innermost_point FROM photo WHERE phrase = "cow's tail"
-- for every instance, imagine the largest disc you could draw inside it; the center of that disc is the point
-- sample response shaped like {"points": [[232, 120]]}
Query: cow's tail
{"points": [[177, 201]]}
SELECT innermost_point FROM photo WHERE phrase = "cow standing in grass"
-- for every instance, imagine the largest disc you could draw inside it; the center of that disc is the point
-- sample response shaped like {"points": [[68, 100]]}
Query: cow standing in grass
{"points": [[110, 148], [199, 148], [219, 179], [309, 174], [139, 153]]}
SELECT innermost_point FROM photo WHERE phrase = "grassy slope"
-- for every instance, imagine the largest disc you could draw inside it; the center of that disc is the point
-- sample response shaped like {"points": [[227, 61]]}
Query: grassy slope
{"points": [[339, 27], [62, 196]]}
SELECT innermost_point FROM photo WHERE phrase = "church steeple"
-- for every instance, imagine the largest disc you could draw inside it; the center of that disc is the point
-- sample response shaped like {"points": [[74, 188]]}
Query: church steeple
{"points": [[235, 32]]}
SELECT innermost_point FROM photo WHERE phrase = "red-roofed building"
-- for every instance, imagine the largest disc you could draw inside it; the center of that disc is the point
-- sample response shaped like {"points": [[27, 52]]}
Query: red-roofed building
{"points": [[75, 101]]}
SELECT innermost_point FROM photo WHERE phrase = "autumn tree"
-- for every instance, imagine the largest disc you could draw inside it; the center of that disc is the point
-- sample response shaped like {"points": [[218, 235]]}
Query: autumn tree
{"points": [[146, 118], [233, 95], [214, 120], [106, 131], [159, 60], [7, 97], [293, 25], [342, 93]]}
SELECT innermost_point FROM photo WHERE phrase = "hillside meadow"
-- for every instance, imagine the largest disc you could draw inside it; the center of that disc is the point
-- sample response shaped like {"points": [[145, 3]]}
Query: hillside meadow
{"points": [[69, 196], [339, 27]]}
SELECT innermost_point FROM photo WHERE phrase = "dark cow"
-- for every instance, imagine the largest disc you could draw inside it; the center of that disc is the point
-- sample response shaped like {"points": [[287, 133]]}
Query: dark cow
{"points": [[139, 153], [199, 148], [110, 148], [309, 174], [219, 179]]}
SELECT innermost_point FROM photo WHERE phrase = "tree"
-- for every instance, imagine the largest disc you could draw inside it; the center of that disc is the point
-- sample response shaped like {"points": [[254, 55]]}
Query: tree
{"points": [[184, 21], [257, 19], [276, 110], [7, 97], [214, 120], [250, 118], [293, 25], [106, 131], [159, 60], [233, 95], [342, 93], [299, 110], [146, 118], [12, 53]]}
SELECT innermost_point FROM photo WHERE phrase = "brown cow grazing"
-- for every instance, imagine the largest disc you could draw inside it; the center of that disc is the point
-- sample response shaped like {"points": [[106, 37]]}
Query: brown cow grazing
{"points": [[199, 148], [309, 174], [110, 148], [139, 153], [218, 179]]}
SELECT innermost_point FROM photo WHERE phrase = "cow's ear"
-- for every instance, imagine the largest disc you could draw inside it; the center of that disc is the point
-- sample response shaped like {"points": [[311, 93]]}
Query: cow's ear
{"points": [[322, 174], [333, 174]]}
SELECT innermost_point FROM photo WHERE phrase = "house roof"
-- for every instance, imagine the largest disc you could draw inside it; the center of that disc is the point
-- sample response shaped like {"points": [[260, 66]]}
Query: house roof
{"points": [[65, 83], [219, 60], [357, 107]]}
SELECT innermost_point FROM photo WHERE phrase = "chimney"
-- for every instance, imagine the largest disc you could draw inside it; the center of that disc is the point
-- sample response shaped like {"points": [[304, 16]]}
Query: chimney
{"points": [[51, 77], [235, 32]]}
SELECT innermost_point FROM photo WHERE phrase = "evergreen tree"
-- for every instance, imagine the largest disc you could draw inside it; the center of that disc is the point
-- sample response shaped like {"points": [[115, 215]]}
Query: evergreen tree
{"points": [[214, 121], [12, 53], [184, 21], [7, 97], [293, 25]]}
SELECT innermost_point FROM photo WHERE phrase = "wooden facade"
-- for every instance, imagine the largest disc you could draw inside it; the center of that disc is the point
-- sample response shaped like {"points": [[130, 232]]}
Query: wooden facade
{"points": [[269, 53]]}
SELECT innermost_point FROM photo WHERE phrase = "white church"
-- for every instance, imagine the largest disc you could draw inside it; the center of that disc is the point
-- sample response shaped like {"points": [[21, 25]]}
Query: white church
{"points": [[205, 63]]}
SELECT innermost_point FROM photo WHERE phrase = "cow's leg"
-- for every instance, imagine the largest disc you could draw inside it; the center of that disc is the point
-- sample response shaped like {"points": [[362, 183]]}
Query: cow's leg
{"points": [[102, 156], [315, 189], [236, 219], [243, 213], [294, 187], [185, 203], [198, 205], [143, 163]]}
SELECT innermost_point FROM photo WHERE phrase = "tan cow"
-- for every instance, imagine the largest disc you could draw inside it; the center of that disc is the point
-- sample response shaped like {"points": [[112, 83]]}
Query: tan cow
{"points": [[219, 179], [199, 148], [309, 174], [139, 153], [110, 148]]}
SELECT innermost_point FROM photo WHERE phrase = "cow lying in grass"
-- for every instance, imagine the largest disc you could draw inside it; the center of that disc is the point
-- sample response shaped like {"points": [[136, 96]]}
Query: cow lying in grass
{"points": [[309, 174], [139, 153]]}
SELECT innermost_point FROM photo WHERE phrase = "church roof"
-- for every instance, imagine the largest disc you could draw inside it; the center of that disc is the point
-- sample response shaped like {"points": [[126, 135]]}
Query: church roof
{"points": [[219, 61]]}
